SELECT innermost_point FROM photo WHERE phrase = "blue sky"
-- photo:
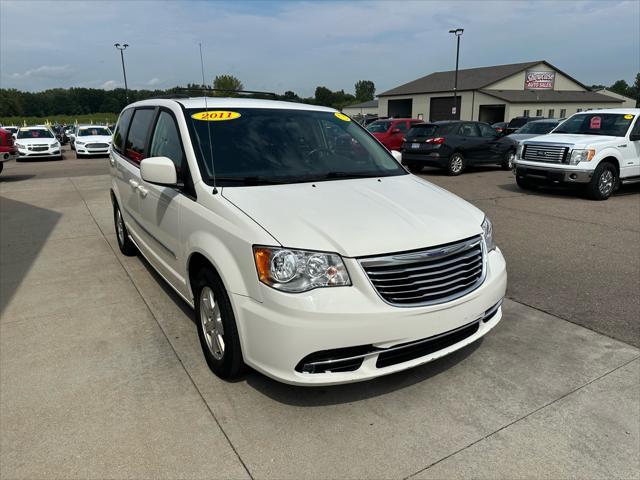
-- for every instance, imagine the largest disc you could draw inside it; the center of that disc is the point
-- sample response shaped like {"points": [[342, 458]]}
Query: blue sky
{"points": [[288, 45]]}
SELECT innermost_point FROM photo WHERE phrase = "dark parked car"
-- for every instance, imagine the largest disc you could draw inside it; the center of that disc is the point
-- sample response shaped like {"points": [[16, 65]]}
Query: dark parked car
{"points": [[454, 145], [535, 128], [518, 122]]}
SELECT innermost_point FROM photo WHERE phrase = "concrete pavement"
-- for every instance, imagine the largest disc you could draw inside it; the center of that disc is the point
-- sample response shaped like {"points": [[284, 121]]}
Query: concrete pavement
{"points": [[101, 374]]}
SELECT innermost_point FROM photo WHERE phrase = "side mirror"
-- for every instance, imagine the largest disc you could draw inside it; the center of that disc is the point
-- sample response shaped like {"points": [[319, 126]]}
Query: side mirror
{"points": [[159, 170], [397, 155]]}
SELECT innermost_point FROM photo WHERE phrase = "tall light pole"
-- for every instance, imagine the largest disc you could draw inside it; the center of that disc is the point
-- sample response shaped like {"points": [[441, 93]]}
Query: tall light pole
{"points": [[122, 48], [458, 33]]}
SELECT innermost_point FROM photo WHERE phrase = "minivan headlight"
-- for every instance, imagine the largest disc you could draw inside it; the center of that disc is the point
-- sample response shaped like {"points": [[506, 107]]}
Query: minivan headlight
{"points": [[487, 230], [297, 271]]}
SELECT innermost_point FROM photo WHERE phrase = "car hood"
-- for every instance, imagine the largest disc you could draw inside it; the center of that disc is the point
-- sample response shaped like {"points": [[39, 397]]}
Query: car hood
{"points": [[35, 141], [518, 137], [359, 217], [578, 141], [94, 138]]}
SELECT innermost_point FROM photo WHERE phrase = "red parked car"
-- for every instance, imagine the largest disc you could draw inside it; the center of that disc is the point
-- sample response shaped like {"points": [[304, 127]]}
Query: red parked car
{"points": [[391, 131], [8, 150]]}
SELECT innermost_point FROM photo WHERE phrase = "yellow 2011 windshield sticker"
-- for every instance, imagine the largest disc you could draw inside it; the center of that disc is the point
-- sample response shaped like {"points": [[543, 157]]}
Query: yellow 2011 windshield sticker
{"points": [[342, 117], [628, 117], [215, 115]]}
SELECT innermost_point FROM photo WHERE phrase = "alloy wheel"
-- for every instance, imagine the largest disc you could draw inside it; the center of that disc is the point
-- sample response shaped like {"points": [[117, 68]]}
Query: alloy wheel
{"points": [[606, 183], [211, 321]]}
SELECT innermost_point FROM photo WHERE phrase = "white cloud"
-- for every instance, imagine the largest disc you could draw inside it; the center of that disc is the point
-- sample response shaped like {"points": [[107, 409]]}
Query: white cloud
{"points": [[153, 81], [45, 71], [110, 85]]}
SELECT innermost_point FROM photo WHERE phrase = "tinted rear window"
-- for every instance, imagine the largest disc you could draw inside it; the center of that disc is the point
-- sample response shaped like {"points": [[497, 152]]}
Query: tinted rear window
{"points": [[421, 132], [518, 122], [137, 137]]}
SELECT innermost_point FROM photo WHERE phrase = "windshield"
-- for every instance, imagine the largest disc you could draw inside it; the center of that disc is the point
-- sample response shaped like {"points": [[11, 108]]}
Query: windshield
{"points": [[263, 146], [378, 127], [611, 124], [87, 132], [11, 129], [537, 127], [34, 133]]}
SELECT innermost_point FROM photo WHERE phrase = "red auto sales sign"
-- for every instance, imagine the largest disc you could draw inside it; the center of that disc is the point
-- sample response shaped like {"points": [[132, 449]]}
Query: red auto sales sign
{"points": [[539, 80]]}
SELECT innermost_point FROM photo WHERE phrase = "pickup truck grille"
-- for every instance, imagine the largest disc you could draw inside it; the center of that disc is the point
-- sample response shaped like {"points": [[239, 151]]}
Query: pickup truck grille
{"points": [[426, 277], [545, 153]]}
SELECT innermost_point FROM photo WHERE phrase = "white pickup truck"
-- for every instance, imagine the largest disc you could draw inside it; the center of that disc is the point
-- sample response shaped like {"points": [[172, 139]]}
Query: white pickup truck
{"points": [[598, 148]]}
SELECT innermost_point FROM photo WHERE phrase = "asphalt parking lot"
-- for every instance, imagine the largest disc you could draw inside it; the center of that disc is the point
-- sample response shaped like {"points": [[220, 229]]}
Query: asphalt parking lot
{"points": [[101, 374]]}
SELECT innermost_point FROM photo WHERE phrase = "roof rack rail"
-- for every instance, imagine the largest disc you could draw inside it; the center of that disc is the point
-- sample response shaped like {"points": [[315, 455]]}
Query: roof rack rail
{"points": [[248, 92], [169, 95]]}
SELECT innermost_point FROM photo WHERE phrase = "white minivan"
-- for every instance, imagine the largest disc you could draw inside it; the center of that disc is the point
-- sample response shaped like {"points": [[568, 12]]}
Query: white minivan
{"points": [[306, 250]]}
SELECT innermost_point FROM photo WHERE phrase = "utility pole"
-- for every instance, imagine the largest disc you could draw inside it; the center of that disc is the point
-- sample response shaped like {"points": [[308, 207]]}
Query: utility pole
{"points": [[454, 110], [122, 48]]}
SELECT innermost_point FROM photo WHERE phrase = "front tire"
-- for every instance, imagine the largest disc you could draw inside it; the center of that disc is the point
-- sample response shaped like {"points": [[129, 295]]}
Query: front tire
{"points": [[217, 328], [603, 182], [126, 246], [524, 184], [414, 167], [507, 162], [456, 164]]}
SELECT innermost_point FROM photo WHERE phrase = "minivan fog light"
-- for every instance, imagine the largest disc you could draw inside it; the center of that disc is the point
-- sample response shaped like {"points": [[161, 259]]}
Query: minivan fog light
{"points": [[298, 271]]}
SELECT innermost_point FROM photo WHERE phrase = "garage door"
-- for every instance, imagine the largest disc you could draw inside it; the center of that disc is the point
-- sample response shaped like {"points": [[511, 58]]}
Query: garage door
{"points": [[440, 109], [400, 108]]}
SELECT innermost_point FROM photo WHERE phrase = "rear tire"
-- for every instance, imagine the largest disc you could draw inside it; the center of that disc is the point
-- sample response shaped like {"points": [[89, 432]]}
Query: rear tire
{"points": [[1, 166], [456, 164], [217, 328], [603, 182], [126, 246], [414, 167]]}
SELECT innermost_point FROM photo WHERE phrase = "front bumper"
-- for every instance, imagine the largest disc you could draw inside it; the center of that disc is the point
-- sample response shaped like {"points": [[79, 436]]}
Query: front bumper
{"points": [[91, 151], [550, 173], [30, 154], [6, 156], [280, 332]]}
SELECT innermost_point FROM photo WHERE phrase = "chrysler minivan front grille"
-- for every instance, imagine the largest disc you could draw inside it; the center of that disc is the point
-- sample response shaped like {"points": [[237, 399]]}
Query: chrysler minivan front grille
{"points": [[426, 277]]}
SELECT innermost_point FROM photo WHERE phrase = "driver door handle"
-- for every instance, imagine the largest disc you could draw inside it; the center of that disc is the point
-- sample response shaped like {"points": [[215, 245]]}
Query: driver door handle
{"points": [[143, 191], [133, 183]]}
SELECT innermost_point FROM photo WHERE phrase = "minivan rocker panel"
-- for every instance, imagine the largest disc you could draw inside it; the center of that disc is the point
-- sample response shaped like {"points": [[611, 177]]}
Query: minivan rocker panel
{"points": [[203, 238], [359, 217]]}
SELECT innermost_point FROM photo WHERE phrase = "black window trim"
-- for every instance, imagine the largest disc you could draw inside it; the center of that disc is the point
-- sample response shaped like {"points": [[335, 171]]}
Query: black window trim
{"points": [[147, 135], [124, 137], [183, 187]]}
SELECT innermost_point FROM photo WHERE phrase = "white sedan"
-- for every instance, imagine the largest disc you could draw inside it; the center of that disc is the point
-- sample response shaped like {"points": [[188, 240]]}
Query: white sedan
{"points": [[37, 142], [92, 140]]}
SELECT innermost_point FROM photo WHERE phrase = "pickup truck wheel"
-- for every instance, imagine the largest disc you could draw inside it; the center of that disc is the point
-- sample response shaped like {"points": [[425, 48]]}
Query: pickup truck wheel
{"points": [[126, 246], [507, 162], [217, 329], [456, 164], [524, 184], [414, 167], [1, 166], [603, 182]]}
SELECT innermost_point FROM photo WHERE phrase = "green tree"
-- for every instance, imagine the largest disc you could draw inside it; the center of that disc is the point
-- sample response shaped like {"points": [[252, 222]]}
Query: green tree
{"points": [[229, 83], [621, 87], [365, 90]]}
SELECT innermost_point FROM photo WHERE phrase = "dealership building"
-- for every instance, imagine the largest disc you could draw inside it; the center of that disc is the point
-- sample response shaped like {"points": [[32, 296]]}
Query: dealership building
{"points": [[496, 94]]}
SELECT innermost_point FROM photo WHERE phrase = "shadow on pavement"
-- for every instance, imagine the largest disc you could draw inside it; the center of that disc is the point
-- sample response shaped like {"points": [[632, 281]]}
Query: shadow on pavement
{"points": [[18, 251], [568, 190], [14, 178]]}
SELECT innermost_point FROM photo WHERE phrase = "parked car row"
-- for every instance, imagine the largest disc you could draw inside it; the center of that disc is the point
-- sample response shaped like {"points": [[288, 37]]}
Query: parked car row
{"points": [[8, 149]]}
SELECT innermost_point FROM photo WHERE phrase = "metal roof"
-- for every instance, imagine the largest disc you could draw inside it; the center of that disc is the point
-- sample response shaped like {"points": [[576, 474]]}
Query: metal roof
{"points": [[369, 104], [550, 96], [468, 79]]}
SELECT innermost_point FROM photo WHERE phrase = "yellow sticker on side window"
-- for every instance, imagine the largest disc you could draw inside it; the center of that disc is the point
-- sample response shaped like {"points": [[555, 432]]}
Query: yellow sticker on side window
{"points": [[215, 115], [628, 117], [342, 117]]}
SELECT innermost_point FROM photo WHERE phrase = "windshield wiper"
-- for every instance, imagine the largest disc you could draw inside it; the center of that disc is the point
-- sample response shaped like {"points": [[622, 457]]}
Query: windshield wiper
{"points": [[251, 180], [350, 175]]}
